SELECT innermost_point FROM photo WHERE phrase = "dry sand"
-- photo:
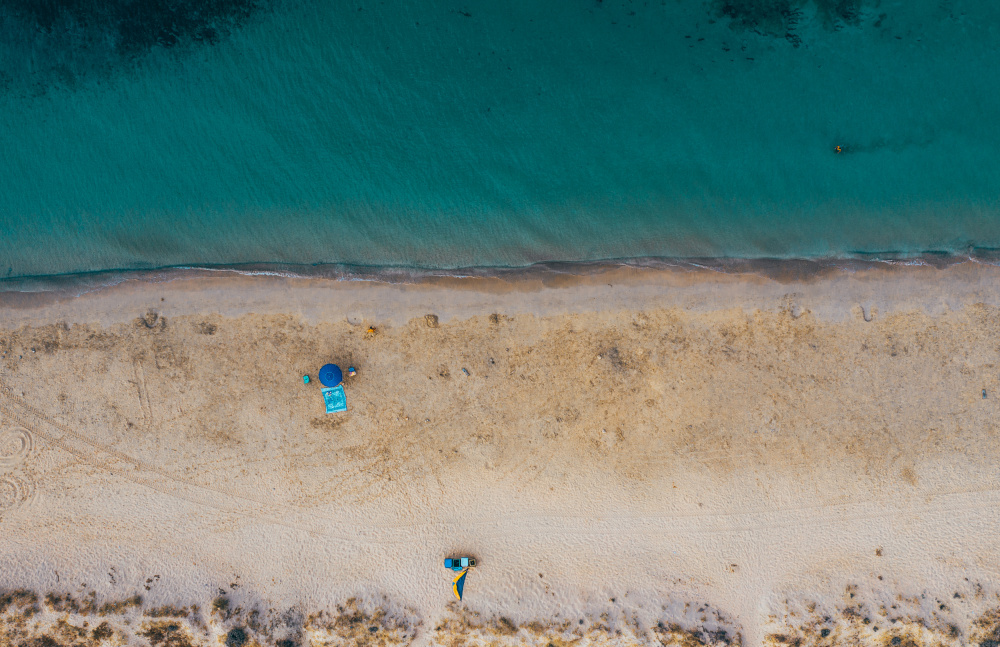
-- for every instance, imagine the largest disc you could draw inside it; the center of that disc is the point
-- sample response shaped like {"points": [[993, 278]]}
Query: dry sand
{"points": [[635, 457]]}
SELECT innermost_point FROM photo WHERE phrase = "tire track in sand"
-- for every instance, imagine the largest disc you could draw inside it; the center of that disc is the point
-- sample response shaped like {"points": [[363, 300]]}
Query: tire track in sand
{"points": [[144, 404], [35, 423], [23, 423]]}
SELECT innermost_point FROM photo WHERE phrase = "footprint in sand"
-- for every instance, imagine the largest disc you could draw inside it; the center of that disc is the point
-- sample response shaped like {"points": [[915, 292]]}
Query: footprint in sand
{"points": [[15, 445], [8, 494], [15, 491]]}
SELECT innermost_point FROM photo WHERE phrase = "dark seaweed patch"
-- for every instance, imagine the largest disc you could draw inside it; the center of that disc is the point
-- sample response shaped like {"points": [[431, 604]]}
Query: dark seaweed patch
{"points": [[57, 42], [136, 26], [774, 17], [840, 12], [781, 18]]}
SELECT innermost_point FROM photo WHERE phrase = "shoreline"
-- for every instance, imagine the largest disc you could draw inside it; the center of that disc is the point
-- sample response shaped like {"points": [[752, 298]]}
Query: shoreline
{"points": [[779, 268], [831, 289]]}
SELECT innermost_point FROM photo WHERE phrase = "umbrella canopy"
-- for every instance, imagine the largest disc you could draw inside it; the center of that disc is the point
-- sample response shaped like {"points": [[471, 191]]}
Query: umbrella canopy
{"points": [[331, 375], [458, 585]]}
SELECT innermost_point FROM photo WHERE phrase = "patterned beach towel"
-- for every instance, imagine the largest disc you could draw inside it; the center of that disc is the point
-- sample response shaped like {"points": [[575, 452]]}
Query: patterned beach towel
{"points": [[335, 399]]}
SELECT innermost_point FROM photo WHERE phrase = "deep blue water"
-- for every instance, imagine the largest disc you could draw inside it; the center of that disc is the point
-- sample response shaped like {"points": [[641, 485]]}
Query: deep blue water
{"points": [[448, 134]]}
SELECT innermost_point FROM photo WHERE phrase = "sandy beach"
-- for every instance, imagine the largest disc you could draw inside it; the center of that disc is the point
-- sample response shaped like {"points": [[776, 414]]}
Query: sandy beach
{"points": [[635, 456]]}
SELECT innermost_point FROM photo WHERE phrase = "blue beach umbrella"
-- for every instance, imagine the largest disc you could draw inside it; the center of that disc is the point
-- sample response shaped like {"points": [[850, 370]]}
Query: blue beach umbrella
{"points": [[331, 375], [458, 585]]}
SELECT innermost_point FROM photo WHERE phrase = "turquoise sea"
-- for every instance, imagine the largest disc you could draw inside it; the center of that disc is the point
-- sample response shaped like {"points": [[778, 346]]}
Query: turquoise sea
{"points": [[458, 133]]}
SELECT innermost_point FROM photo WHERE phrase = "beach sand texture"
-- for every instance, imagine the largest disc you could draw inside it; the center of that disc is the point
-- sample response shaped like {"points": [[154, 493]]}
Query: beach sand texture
{"points": [[635, 457]]}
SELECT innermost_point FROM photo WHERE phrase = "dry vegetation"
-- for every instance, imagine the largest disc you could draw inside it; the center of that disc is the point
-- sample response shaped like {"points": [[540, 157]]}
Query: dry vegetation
{"points": [[881, 620], [62, 620], [464, 628]]}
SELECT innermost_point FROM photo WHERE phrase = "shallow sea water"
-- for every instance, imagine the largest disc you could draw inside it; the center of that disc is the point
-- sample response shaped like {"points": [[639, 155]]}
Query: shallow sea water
{"points": [[444, 134]]}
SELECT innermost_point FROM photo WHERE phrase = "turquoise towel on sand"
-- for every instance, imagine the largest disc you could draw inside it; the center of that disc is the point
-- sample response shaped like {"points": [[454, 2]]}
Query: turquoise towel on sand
{"points": [[335, 399]]}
